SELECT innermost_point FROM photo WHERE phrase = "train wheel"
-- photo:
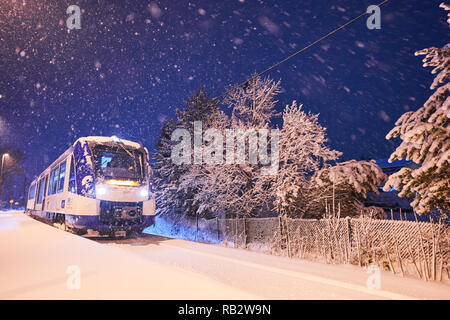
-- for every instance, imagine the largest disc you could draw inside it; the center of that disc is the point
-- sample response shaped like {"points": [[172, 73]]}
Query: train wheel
{"points": [[59, 221], [135, 233]]}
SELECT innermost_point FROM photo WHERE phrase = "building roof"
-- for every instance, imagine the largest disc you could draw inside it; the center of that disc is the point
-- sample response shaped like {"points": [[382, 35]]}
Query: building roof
{"points": [[384, 163]]}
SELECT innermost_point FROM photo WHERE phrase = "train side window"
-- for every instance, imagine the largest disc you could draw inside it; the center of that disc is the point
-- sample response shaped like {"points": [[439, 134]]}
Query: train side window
{"points": [[52, 173], [72, 184], [62, 175], [54, 181], [39, 184], [32, 191], [41, 191]]}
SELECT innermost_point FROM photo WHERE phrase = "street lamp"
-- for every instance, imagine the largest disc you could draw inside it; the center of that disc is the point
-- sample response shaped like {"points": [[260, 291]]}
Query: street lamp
{"points": [[5, 155]]}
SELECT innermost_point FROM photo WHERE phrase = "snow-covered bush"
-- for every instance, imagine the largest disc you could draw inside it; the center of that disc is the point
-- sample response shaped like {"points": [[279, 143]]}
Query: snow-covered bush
{"points": [[345, 183], [425, 139], [183, 227]]}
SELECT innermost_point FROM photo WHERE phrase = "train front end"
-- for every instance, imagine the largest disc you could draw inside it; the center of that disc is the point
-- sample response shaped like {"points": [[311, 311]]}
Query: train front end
{"points": [[116, 173]]}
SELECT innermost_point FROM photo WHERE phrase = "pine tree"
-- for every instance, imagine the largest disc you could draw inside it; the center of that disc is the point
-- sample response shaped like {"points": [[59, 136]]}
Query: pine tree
{"points": [[178, 185], [165, 173], [194, 183], [425, 139]]}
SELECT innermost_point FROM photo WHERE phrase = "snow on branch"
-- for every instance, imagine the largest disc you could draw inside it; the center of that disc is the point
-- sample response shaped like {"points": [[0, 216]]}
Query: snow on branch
{"points": [[425, 139]]}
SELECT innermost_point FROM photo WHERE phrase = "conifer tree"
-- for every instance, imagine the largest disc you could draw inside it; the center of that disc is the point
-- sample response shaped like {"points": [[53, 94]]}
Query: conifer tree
{"points": [[425, 136]]}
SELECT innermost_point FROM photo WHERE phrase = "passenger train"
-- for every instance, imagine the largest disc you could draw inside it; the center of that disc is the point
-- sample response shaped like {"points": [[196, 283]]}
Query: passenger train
{"points": [[99, 186]]}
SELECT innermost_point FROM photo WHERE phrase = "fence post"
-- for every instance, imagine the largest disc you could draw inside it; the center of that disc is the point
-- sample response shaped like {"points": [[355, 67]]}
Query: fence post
{"points": [[287, 237], [245, 231], [218, 229], [235, 230], [423, 249], [358, 244], [433, 252], [397, 251], [349, 239], [196, 231], [281, 232]]}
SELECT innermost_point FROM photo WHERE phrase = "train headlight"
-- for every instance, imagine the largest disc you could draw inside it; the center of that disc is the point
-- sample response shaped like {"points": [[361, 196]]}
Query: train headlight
{"points": [[143, 193], [101, 191]]}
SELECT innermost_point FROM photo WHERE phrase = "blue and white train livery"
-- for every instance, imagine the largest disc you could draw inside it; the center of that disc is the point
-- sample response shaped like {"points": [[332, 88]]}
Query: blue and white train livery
{"points": [[100, 184]]}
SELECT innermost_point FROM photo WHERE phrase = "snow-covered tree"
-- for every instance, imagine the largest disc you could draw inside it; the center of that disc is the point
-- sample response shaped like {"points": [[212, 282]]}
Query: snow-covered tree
{"points": [[165, 174], [175, 185], [195, 183], [198, 108], [425, 136], [303, 151], [240, 189], [344, 184], [254, 104]]}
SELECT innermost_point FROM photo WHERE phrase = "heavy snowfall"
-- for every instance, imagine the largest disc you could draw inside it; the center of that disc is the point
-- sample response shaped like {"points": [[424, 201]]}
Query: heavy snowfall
{"points": [[224, 150]]}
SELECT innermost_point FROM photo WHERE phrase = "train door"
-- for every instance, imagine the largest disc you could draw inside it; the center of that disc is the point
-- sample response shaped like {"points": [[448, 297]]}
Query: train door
{"points": [[38, 192], [45, 192]]}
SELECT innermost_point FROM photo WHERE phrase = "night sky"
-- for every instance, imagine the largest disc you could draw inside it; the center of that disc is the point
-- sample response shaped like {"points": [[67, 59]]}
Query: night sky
{"points": [[133, 62]]}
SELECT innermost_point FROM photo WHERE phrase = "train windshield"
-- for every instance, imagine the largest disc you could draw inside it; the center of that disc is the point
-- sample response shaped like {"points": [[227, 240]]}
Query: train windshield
{"points": [[119, 163]]}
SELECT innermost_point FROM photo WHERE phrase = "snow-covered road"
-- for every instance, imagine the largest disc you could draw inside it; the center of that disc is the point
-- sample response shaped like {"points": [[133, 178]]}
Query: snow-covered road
{"points": [[273, 277], [35, 258]]}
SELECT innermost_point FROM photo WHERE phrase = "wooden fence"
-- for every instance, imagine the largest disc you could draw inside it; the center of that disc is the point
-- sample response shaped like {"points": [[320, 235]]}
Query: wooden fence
{"points": [[421, 249]]}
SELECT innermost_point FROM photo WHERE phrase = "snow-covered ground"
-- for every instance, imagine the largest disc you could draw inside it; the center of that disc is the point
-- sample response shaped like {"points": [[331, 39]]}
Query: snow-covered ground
{"points": [[39, 261], [184, 228], [35, 259]]}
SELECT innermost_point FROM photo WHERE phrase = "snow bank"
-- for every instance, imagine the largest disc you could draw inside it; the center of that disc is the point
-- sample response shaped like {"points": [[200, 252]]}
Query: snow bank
{"points": [[41, 262], [185, 228]]}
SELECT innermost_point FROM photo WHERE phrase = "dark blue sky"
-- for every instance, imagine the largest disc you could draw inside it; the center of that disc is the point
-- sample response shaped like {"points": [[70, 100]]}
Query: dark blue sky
{"points": [[133, 62]]}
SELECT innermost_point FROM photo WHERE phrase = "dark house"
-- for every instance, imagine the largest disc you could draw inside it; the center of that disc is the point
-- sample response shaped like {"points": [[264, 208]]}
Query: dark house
{"points": [[390, 200]]}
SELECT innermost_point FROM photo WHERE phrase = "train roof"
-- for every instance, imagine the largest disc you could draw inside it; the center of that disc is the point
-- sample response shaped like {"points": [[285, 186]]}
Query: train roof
{"points": [[113, 139]]}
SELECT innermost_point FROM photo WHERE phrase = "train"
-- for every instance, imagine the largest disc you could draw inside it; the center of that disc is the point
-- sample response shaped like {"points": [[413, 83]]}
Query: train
{"points": [[100, 186]]}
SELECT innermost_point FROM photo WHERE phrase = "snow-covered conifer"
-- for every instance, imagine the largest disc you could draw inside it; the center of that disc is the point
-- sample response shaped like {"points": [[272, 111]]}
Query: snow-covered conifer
{"points": [[165, 174], [425, 139], [175, 183]]}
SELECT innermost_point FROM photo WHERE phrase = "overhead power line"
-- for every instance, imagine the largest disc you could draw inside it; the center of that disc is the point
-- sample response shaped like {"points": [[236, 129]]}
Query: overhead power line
{"points": [[309, 46]]}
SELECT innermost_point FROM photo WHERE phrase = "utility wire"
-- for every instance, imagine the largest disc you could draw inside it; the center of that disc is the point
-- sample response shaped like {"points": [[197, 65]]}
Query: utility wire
{"points": [[307, 47]]}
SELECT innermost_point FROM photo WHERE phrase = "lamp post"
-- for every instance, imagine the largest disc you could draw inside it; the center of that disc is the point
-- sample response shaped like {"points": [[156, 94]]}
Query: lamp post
{"points": [[5, 155]]}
